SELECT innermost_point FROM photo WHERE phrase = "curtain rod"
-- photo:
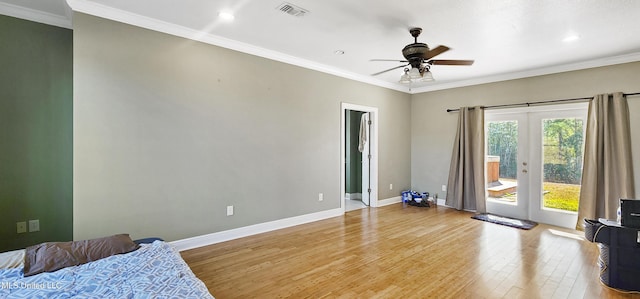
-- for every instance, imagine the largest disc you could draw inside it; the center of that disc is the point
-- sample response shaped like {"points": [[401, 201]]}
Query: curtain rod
{"points": [[541, 102]]}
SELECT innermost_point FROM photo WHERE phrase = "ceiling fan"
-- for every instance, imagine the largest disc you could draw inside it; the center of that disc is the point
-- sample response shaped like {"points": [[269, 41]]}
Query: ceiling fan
{"points": [[419, 57]]}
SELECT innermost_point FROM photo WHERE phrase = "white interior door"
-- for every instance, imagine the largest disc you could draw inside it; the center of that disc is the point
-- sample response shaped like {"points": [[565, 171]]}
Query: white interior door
{"points": [[366, 161]]}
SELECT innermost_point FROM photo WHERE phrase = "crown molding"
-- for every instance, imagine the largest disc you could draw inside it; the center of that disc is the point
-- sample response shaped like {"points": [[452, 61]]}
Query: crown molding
{"points": [[107, 12], [35, 15], [606, 61], [118, 15]]}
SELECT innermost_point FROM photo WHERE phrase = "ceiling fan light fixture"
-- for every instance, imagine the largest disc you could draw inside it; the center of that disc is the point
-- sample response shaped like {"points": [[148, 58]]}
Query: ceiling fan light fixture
{"points": [[420, 59], [427, 76], [405, 79], [409, 76], [414, 73]]}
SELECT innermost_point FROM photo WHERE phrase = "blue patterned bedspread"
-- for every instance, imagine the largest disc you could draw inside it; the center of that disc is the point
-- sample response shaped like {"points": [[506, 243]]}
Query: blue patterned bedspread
{"points": [[154, 271]]}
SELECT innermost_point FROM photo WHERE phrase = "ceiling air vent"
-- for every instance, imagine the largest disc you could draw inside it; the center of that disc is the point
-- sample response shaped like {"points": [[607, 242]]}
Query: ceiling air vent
{"points": [[291, 9]]}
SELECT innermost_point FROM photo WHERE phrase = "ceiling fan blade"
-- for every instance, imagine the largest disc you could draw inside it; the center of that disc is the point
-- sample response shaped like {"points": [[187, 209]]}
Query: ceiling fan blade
{"points": [[450, 62], [391, 69], [434, 52], [394, 60]]}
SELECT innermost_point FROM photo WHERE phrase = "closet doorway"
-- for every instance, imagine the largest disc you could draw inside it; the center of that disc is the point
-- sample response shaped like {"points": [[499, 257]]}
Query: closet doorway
{"points": [[359, 147]]}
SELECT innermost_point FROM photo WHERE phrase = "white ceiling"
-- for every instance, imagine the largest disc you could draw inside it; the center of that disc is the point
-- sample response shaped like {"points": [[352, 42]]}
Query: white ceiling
{"points": [[507, 38]]}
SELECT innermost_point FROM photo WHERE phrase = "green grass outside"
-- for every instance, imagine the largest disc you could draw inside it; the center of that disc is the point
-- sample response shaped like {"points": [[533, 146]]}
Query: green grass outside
{"points": [[561, 196], [556, 196]]}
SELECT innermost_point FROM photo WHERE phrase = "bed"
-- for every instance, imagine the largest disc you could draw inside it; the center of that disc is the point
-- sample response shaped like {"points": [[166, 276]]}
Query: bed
{"points": [[154, 270]]}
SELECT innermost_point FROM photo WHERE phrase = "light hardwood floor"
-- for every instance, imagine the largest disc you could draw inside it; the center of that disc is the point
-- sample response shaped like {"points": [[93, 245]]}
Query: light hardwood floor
{"points": [[401, 251]]}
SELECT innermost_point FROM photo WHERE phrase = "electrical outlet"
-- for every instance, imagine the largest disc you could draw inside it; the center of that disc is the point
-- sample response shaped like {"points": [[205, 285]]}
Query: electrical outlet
{"points": [[21, 227], [320, 197], [34, 225], [444, 188], [229, 210], [390, 186]]}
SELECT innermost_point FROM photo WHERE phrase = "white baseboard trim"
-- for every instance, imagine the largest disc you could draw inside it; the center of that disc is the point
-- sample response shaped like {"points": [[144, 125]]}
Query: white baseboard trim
{"points": [[227, 235], [354, 196], [389, 201], [442, 203], [397, 199]]}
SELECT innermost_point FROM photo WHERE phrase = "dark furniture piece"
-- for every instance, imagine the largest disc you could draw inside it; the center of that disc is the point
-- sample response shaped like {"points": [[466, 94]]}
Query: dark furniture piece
{"points": [[619, 259], [630, 212]]}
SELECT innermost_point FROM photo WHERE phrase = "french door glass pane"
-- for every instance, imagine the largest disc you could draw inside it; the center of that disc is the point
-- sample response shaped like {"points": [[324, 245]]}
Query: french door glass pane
{"points": [[502, 161], [562, 144]]}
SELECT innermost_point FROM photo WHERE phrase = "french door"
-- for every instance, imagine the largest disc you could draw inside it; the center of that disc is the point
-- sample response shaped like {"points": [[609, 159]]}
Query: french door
{"points": [[534, 162]]}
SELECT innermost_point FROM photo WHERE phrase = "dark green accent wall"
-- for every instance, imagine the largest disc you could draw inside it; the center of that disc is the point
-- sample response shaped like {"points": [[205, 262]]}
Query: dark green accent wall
{"points": [[36, 131], [354, 157]]}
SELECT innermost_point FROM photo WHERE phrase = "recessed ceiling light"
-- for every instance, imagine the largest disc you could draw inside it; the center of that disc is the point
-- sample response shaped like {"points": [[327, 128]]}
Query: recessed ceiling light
{"points": [[571, 38], [226, 16], [338, 52]]}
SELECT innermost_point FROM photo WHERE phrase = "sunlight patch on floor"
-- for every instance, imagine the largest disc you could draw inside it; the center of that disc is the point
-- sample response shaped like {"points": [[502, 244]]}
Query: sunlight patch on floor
{"points": [[567, 235]]}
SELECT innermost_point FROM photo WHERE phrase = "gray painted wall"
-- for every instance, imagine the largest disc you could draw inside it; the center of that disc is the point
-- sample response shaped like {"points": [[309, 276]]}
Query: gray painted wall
{"points": [[433, 129], [169, 131], [35, 131]]}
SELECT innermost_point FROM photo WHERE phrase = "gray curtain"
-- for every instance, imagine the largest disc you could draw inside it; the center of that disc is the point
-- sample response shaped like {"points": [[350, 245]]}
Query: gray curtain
{"points": [[466, 185], [607, 173]]}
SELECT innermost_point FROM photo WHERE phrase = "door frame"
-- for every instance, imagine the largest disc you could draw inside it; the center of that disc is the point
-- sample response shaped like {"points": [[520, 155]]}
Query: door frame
{"points": [[365, 165], [534, 168], [373, 139]]}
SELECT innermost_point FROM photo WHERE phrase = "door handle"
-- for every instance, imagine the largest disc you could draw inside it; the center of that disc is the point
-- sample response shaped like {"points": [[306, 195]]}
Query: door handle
{"points": [[524, 171], [524, 163]]}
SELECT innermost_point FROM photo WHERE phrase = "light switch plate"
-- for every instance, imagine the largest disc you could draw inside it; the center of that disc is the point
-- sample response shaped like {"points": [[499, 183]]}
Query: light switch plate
{"points": [[21, 227], [34, 225], [229, 210]]}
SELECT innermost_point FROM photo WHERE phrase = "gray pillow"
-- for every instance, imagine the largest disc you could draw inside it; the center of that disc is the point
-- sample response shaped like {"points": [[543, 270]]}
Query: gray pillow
{"points": [[53, 256]]}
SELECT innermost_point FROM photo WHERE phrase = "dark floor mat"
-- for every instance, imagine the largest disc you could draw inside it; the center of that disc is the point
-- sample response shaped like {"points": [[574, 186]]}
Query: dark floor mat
{"points": [[517, 223]]}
